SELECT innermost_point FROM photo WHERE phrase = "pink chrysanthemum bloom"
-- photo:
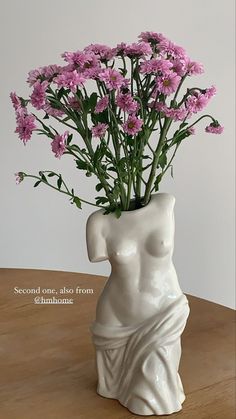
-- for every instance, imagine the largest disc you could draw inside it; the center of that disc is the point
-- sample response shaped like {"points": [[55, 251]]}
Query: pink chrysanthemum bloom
{"points": [[38, 96], [126, 102], [77, 58], [87, 62], [158, 106], [19, 177], [70, 80], [34, 75], [74, 103], [112, 78], [121, 48], [133, 125], [170, 49], [52, 111], [179, 67], [168, 83], [155, 65], [50, 71], [25, 126], [178, 114], [196, 102], [210, 92], [104, 52], [138, 49], [59, 144], [99, 130], [191, 130], [102, 104], [193, 67], [214, 128], [151, 37], [16, 102]]}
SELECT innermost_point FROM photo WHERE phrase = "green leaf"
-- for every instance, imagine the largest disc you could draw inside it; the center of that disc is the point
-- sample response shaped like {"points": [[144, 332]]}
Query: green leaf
{"points": [[180, 137], [46, 116], [74, 147], [51, 174], [172, 171], [93, 101], [44, 178], [59, 182], [118, 212], [77, 202], [184, 124], [37, 183], [98, 187], [60, 93], [81, 164], [162, 160], [112, 169], [69, 139], [101, 200], [157, 181]]}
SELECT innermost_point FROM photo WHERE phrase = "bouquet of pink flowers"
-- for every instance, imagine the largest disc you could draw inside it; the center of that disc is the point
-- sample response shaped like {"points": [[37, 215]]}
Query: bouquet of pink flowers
{"points": [[111, 101]]}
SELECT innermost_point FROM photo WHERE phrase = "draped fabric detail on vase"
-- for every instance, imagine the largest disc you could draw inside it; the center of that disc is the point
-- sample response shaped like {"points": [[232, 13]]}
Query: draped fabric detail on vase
{"points": [[138, 365]]}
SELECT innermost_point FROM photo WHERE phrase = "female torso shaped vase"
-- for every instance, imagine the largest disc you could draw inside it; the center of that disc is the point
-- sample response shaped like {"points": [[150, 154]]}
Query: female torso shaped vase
{"points": [[141, 311]]}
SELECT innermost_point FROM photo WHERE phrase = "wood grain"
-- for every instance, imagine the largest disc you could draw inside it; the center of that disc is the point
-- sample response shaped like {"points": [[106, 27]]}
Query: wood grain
{"points": [[47, 367]]}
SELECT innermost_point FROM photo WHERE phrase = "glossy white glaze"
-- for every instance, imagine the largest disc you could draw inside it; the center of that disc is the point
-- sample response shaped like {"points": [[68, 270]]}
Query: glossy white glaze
{"points": [[141, 311]]}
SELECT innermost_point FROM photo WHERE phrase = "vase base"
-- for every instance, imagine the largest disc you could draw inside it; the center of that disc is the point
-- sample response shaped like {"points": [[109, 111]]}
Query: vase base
{"points": [[139, 407]]}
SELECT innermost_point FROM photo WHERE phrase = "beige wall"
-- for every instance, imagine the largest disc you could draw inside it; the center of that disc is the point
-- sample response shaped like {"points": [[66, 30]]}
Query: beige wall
{"points": [[39, 228]]}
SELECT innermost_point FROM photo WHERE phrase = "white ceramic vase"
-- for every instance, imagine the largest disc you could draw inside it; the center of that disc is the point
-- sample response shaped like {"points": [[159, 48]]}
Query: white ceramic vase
{"points": [[141, 312]]}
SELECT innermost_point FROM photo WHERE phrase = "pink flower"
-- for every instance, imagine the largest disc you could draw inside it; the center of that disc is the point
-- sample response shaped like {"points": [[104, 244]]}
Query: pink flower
{"points": [[50, 71], [133, 125], [168, 83], [15, 101], [52, 111], [170, 49], [158, 106], [196, 102], [34, 75], [104, 52], [154, 66], [102, 104], [19, 177], [47, 72], [77, 58], [87, 62], [191, 130], [214, 128], [70, 79], [121, 48], [112, 78], [25, 126], [99, 130], [59, 144], [178, 114], [193, 67], [38, 97], [126, 102], [210, 92], [151, 37], [74, 103], [179, 66], [138, 49]]}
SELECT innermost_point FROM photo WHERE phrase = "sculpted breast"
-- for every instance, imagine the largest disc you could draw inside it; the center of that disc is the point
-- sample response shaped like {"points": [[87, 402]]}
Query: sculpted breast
{"points": [[122, 251], [159, 243]]}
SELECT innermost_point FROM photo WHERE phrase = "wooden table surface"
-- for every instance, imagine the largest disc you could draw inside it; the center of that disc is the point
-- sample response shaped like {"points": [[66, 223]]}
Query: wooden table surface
{"points": [[47, 367]]}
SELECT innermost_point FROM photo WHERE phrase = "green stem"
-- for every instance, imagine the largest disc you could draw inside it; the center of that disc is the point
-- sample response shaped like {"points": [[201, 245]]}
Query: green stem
{"points": [[64, 192], [158, 150]]}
